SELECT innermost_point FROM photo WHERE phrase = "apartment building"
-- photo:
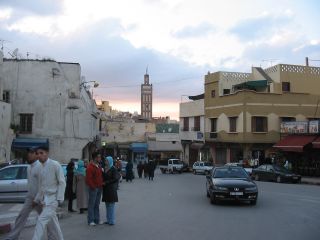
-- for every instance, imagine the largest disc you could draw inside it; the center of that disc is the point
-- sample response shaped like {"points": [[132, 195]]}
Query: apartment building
{"points": [[192, 130], [243, 111]]}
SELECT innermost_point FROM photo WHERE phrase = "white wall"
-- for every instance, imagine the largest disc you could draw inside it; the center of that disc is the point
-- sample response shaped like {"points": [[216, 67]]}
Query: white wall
{"points": [[6, 134], [43, 88]]}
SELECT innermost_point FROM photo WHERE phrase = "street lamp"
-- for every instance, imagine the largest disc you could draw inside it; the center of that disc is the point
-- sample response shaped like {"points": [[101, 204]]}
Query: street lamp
{"points": [[95, 84]]}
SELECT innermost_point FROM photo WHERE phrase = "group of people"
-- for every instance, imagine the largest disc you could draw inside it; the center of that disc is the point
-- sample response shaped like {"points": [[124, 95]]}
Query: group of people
{"points": [[146, 169], [88, 184]]}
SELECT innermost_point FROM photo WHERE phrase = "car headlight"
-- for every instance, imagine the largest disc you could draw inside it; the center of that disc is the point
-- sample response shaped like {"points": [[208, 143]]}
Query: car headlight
{"points": [[220, 188], [252, 189]]}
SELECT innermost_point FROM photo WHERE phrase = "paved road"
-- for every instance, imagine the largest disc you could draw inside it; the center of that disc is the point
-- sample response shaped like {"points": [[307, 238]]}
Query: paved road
{"points": [[176, 207]]}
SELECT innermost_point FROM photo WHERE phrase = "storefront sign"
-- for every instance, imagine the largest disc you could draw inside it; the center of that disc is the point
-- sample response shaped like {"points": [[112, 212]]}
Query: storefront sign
{"points": [[294, 127], [314, 126]]}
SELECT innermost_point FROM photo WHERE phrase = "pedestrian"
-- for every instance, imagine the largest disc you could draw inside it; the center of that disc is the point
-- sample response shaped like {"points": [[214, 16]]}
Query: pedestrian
{"points": [[129, 171], [140, 169], [110, 179], [50, 195], [151, 168], [33, 173], [118, 166], [70, 191], [145, 170], [81, 187], [94, 181]]}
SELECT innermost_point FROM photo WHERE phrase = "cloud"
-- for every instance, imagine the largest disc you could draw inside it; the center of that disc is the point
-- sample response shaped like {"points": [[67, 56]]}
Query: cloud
{"points": [[200, 30], [39, 7], [260, 27]]}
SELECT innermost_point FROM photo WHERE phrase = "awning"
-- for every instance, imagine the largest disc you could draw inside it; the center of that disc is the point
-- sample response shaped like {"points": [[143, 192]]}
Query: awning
{"points": [[24, 143], [294, 143], [196, 145], [252, 85], [316, 143], [139, 147]]}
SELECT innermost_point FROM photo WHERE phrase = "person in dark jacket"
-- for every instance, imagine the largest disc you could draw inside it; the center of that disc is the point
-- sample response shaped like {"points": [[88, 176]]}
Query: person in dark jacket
{"points": [[110, 179], [145, 170], [151, 168], [129, 171], [70, 193], [140, 169]]}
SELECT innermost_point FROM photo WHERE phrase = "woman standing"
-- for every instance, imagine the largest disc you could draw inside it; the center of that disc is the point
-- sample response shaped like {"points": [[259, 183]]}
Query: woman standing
{"points": [[81, 187], [109, 195], [129, 171], [69, 188]]}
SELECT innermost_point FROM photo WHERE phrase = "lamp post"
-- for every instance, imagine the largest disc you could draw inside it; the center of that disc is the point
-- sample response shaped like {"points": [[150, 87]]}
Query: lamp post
{"points": [[95, 85]]}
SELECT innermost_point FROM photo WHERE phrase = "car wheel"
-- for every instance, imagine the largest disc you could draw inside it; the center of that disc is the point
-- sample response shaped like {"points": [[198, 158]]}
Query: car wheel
{"points": [[256, 177], [253, 202], [279, 180], [213, 199]]}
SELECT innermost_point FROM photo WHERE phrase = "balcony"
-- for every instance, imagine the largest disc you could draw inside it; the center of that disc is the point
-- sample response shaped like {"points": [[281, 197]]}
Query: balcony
{"points": [[195, 129], [184, 129], [213, 135]]}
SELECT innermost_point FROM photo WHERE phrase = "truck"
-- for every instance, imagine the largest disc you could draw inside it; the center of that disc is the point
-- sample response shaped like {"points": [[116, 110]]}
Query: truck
{"points": [[172, 165]]}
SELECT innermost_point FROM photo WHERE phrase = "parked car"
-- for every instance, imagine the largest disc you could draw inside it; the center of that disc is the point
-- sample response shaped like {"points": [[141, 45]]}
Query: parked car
{"points": [[271, 172], [171, 165], [237, 164], [231, 183], [202, 167], [13, 183]]}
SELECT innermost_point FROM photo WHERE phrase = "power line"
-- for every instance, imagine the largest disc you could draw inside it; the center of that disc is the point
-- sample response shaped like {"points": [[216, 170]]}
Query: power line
{"points": [[138, 85]]}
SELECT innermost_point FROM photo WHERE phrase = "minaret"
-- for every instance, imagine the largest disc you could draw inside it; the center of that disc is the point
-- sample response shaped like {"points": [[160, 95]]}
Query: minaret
{"points": [[146, 97]]}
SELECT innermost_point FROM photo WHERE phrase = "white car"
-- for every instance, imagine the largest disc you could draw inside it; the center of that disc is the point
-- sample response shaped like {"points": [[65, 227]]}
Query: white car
{"points": [[202, 167], [13, 183]]}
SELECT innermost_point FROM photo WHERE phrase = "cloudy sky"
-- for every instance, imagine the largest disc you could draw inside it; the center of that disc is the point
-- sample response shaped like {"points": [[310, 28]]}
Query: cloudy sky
{"points": [[179, 41]]}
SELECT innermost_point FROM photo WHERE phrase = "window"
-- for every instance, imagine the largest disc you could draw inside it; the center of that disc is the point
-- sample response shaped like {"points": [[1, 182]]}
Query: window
{"points": [[213, 125], [286, 86], [287, 119], [6, 96], [213, 93], [259, 124], [226, 91], [196, 123], [26, 123], [9, 173], [233, 124], [185, 124]]}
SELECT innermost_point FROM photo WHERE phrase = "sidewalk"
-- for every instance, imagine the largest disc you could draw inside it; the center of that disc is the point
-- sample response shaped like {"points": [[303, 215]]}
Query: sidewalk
{"points": [[310, 180], [7, 220]]}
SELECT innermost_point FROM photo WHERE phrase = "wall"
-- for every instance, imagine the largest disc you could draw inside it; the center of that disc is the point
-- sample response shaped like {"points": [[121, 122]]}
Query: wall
{"points": [[6, 134], [43, 88]]}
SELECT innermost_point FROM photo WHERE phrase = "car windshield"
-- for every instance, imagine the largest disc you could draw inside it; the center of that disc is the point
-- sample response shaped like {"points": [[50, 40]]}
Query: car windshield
{"points": [[281, 169], [176, 162], [230, 173]]}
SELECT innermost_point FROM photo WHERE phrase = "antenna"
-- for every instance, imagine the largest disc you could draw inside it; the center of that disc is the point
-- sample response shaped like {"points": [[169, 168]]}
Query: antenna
{"points": [[271, 60], [2, 42]]}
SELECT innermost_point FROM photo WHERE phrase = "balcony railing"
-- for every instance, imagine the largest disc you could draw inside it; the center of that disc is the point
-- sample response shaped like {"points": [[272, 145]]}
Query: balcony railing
{"points": [[195, 129], [213, 135], [184, 129]]}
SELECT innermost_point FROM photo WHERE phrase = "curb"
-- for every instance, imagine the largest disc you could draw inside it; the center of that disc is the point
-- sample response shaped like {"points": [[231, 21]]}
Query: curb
{"points": [[310, 183], [7, 227]]}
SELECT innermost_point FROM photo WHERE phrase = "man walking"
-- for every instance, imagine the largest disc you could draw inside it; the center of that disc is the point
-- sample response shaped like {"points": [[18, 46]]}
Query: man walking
{"points": [[50, 195], [94, 181], [33, 172]]}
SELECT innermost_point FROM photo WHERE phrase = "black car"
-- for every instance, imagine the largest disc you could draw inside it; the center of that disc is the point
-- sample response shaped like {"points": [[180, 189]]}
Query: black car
{"points": [[271, 172], [231, 183]]}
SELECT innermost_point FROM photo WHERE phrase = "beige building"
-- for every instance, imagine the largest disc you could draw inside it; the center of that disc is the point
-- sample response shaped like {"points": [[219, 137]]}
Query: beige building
{"points": [[244, 110], [192, 129]]}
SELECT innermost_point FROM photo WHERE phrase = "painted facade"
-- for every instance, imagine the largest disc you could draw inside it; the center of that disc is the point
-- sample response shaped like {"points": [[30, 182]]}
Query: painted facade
{"points": [[255, 106]]}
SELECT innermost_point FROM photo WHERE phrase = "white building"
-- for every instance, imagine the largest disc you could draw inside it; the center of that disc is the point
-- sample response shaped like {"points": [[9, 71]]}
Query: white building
{"points": [[192, 120], [49, 103]]}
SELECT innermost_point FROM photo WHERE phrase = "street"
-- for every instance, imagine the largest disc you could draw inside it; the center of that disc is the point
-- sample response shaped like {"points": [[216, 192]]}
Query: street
{"points": [[176, 207]]}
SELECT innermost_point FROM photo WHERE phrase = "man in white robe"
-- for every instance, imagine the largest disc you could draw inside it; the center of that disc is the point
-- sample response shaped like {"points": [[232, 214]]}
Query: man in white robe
{"points": [[50, 195], [33, 173]]}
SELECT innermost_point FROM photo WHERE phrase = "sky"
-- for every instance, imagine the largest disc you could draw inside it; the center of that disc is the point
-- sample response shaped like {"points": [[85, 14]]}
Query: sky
{"points": [[179, 41]]}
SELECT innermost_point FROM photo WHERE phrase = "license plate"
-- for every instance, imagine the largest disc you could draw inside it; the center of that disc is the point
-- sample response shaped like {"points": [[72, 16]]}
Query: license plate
{"points": [[236, 193]]}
